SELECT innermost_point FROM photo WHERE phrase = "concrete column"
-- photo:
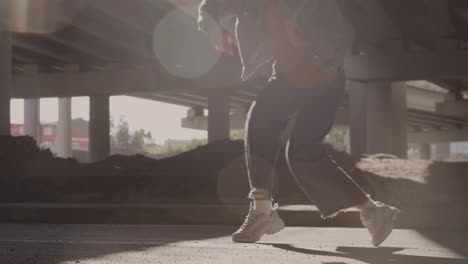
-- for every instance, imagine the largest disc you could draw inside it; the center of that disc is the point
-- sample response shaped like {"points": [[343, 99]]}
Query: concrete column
{"points": [[357, 119], [32, 125], [425, 151], [5, 71], [218, 116], [441, 151], [64, 127], [378, 118], [63, 144], [347, 140], [99, 128], [399, 120]]}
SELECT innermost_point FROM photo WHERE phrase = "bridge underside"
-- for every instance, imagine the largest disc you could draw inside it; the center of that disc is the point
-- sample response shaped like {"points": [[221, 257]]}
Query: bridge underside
{"points": [[104, 48]]}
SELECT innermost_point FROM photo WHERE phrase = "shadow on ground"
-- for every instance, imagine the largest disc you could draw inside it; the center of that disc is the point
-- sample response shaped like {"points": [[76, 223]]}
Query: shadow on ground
{"points": [[55, 244], [381, 255], [453, 240]]}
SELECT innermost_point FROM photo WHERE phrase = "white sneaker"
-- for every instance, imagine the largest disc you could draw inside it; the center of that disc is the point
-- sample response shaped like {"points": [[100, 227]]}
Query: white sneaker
{"points": [[256, 225], [379, 220]]}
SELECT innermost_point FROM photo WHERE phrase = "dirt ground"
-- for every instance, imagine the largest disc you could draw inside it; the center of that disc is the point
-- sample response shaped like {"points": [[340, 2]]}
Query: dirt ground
{"points": [[214, 173]]}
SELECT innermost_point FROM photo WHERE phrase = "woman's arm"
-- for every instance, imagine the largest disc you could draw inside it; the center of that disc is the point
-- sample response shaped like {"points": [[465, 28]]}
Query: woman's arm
{"points": [[214, 18], [208, 15]]}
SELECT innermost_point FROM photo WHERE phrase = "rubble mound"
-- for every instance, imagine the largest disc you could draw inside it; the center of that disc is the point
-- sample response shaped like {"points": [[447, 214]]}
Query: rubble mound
{"points": [[213, 173], [29, 174]]}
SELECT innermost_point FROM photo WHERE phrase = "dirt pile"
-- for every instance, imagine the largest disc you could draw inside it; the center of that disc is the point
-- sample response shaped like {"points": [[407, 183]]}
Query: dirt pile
{"points": [[214, 173], [28, 174]]}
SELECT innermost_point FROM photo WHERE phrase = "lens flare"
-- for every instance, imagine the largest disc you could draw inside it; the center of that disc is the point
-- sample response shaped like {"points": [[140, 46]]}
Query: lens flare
{"points": [[181, 48]]}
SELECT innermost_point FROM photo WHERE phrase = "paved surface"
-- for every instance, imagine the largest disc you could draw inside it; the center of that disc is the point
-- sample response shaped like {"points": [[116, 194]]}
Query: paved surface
{"points": [[440, 218], [132, 244]]}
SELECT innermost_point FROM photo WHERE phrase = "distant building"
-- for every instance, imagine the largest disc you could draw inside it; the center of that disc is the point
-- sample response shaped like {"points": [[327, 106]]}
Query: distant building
{"points": [[48, 134], [459, 151]]}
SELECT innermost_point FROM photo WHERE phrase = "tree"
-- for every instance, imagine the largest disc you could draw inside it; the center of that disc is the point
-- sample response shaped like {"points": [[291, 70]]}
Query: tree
{"points": [[336, 138], [237, 134], [122, 136], [148, 138], [123, 141], [113, 141], [137, 141]]}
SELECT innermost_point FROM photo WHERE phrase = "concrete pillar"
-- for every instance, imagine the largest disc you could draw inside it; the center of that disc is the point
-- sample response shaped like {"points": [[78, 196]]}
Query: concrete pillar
{"points": [[5, 71], [441, 151], [32, 125], [347, 140], [63, 144], [357, 119], [218, 116], [399, 120], [425, 151], [378, 118], [99, 128]]}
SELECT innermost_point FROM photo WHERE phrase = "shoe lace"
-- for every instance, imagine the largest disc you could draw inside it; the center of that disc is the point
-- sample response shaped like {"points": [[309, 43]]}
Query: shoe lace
{"points": [[252, 216]]}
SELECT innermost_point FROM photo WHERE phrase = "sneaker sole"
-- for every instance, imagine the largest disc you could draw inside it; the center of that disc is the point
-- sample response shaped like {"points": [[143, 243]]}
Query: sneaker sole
{"points": [[271, 230], [277, 227], [394, 216]]}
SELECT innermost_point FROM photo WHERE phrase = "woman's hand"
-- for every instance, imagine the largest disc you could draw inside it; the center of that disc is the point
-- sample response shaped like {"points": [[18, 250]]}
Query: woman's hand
{"points": [[223, 43]]}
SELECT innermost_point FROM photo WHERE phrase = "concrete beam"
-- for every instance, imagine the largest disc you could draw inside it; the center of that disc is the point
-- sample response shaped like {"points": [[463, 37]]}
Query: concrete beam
{"points": [[117, 10], [407, 66], [238, 118], [441, 136], [22, 59], [424, 99], [434, 119], [99, 127], [96, 25], [46, 52], [113, 82], [5, 72], [170, 100], [79, 45], [200, 122], [107, 82], [457, 108]]}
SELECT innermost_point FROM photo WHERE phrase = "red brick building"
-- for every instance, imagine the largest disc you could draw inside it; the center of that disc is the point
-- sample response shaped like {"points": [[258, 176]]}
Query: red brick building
{"points": [[48, 134]]}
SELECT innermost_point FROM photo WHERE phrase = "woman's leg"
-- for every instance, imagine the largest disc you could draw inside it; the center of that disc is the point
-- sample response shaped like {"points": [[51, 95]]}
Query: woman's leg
{"points": [[266, 134], [323, 182]]}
